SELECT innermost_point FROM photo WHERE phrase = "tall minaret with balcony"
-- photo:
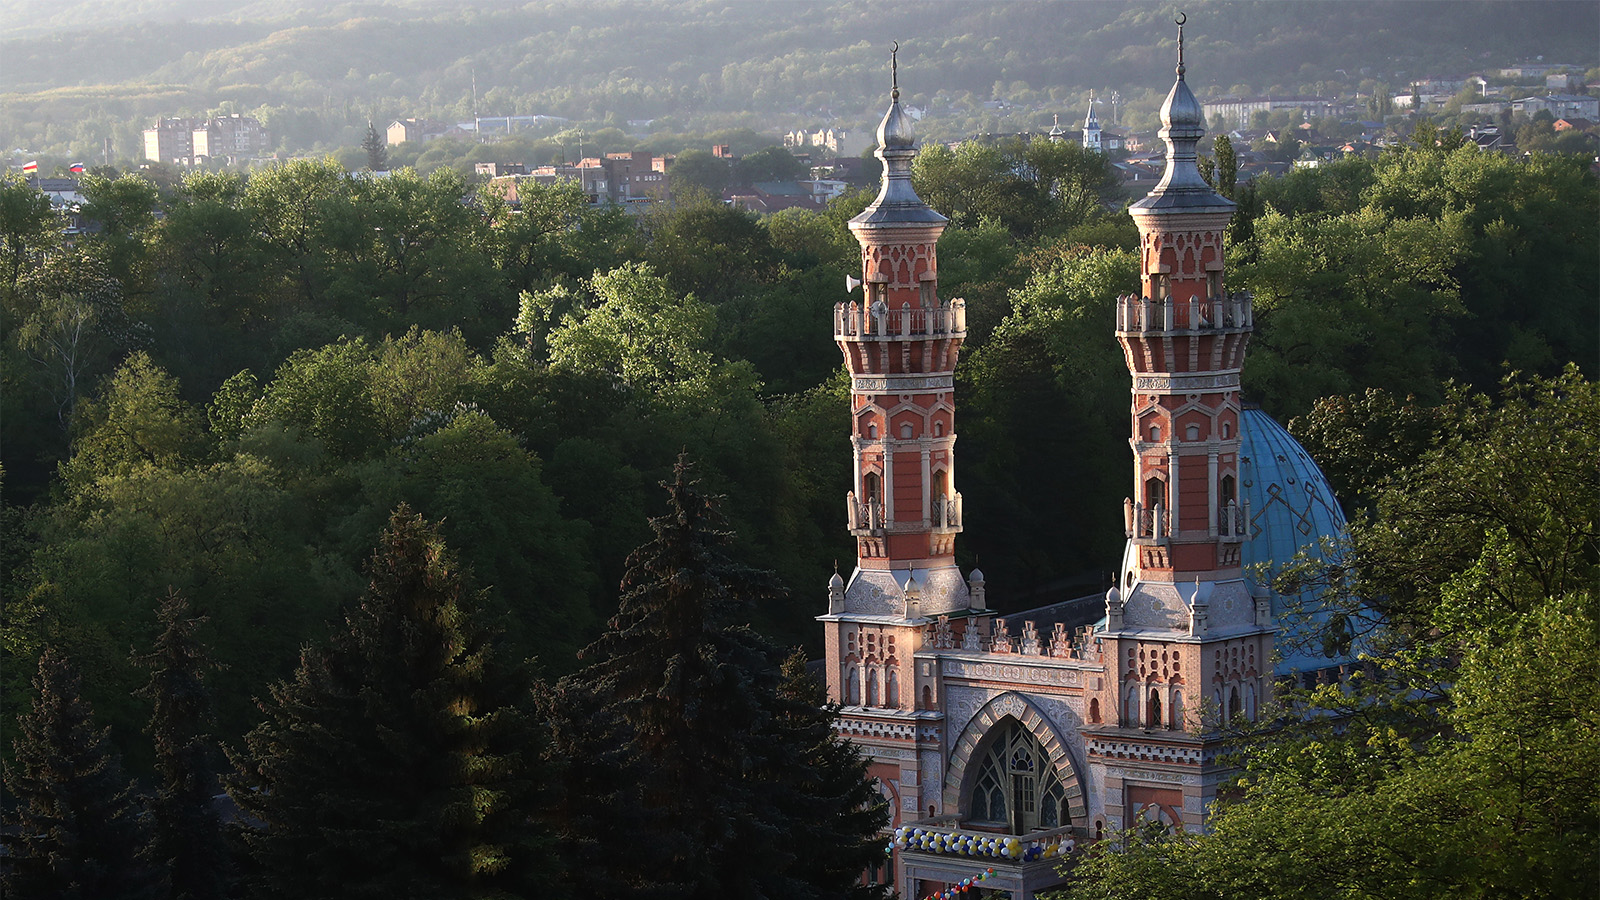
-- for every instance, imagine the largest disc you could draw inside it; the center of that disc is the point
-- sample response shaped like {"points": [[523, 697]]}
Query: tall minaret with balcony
{"points": [[1188, 629], [900, 342]]}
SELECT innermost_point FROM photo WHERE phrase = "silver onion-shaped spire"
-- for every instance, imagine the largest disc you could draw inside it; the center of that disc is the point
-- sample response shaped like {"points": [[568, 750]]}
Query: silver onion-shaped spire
{"points": [[895, 132], [897, 202], [1182, 127]]}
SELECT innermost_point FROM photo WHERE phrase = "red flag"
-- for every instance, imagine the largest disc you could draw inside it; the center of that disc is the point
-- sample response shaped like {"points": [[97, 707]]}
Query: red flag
{"points": [[76, 168], [31, 167]]}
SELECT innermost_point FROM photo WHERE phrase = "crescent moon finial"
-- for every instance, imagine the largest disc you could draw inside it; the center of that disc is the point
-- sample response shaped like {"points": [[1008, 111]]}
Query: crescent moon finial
{"points": [[894, 71], [1179, 21]]}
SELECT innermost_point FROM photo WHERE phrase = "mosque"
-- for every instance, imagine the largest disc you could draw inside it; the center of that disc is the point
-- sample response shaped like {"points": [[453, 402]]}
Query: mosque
{"points": [[1003, 741]]}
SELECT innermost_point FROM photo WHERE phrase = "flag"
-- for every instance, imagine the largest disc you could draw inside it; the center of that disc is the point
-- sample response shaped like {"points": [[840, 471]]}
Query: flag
{"points": [[76, 168], [31, 167]]}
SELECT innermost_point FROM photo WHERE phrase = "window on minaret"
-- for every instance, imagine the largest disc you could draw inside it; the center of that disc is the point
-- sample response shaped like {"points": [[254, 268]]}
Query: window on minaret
{"points": [[874, 487], [1213, 284], [1153, 710], [1227, 490], [1155, 493]]}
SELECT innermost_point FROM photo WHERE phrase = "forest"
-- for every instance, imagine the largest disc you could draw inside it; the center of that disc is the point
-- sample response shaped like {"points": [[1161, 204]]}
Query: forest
{"points": [[315, 74], [218, 404]]}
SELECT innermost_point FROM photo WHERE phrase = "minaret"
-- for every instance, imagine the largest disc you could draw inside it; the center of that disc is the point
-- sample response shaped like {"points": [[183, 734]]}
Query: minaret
{"points": [[1091, 128], [1187, 640], [900, 342], [1184, 342]]}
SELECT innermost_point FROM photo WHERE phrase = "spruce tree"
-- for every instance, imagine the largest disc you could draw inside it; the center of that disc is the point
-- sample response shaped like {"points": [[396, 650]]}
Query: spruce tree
{"points": [[400, 759], [75, 833], [836, 813], [377, 149], [709, 785], [188, 838]]}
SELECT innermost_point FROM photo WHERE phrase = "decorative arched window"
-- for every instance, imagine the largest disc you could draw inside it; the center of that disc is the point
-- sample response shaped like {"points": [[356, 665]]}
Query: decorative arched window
{"points": [[938, 429], [1094, 711], [872, 687], [1130, 712], [893, 690], [1227, 430], [1153, 710], [1177, 710], [1155, 433], [852, 687], [905, 431], [872, 432], [1016, 787], [873, 483], [1155, 493], [927, 697], [1233, 701]]}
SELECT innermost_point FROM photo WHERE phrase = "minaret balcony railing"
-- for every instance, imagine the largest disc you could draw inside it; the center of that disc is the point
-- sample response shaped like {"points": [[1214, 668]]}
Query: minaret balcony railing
{"points": [[1233, 522], [852, 321], [1143, 315], [946, 514], [864, 517], [1146, 525]]}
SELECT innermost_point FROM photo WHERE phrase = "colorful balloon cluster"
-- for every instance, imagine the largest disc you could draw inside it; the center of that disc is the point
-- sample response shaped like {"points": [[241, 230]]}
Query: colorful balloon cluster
{"points": [[927, 840], [960, 887]]}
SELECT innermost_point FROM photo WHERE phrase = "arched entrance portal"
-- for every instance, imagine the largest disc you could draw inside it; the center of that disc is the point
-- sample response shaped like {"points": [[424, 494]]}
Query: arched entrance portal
{"points": [[1016, 786]]}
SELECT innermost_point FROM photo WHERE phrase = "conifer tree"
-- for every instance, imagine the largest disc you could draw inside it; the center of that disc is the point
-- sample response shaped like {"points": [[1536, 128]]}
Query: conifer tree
{"points": [[377, 149], [188, 838], [76, 834], [836, 811], [399, 761], [716, 790]]}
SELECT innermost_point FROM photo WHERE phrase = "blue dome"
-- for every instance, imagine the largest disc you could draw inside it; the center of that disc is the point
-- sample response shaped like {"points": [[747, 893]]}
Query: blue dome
{"points": [[1292, 509]]}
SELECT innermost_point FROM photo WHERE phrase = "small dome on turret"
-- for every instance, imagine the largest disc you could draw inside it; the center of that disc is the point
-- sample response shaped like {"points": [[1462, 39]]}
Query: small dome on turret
{"points": [[836, 583], [976, 577]]}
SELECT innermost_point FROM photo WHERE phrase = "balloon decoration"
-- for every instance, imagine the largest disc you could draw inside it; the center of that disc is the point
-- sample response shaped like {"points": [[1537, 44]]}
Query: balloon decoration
{"points": [[977, 844]]}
